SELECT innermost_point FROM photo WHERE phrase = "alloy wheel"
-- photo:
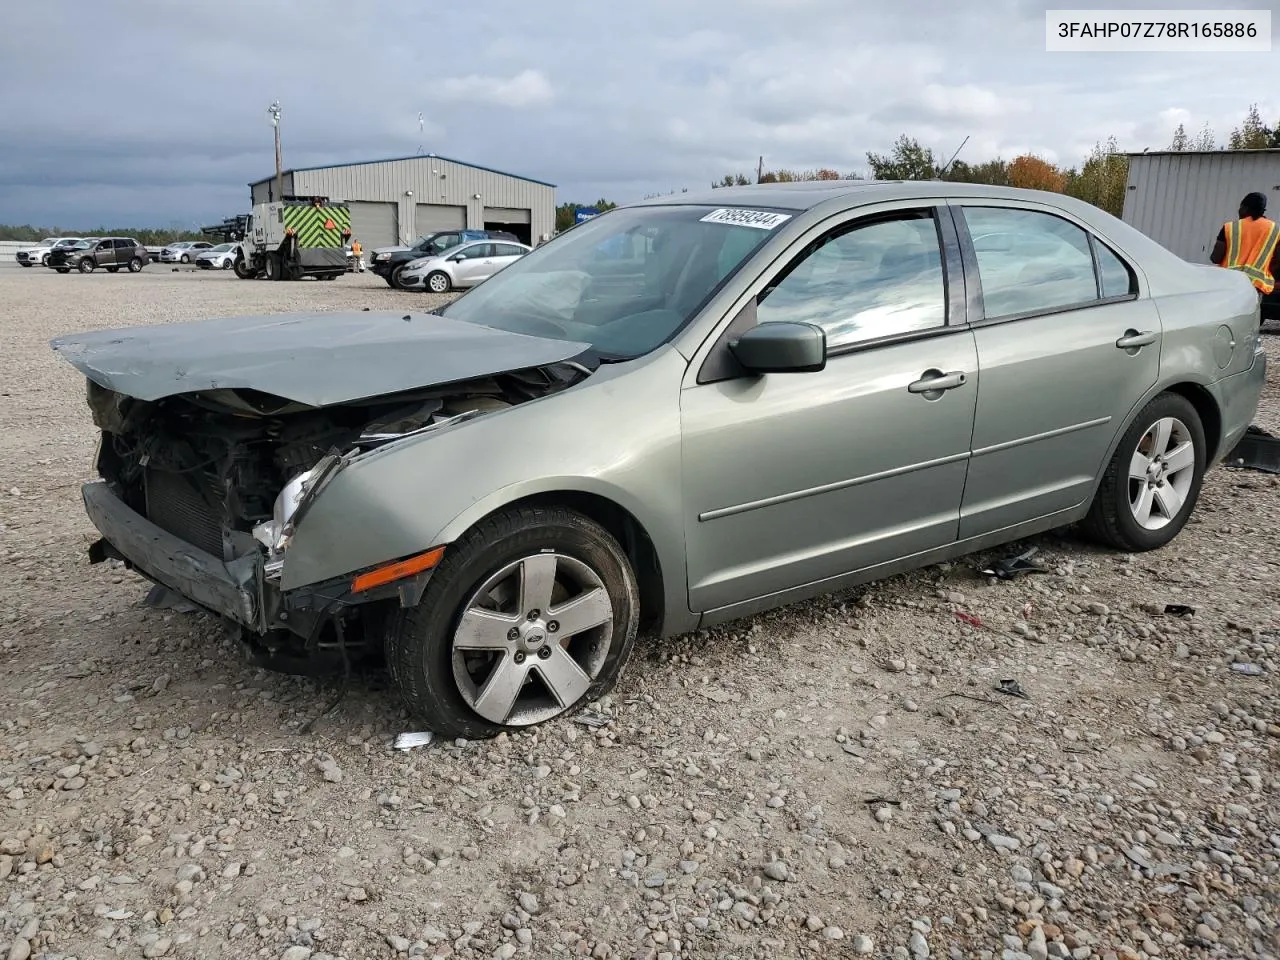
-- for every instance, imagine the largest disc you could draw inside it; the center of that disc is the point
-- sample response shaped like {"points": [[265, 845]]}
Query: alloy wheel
{"points": [[532, 639], [1161, 472]]}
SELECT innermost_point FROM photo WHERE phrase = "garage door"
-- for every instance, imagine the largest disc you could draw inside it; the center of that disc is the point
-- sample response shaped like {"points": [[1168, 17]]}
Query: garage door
{"points": [[430, 217], [505, 215], [374, 224]]}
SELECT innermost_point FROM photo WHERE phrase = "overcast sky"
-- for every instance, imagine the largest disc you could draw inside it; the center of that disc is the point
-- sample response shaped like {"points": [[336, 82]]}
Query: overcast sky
{"points": [[145, 113]]}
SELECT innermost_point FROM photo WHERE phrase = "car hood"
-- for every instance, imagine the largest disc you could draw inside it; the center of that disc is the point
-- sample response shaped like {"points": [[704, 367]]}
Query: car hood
{"points": [[314, 359]]}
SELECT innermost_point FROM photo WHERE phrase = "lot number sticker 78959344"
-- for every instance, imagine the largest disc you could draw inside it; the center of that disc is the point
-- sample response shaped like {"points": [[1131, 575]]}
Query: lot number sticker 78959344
{"points": [[759, 219]]}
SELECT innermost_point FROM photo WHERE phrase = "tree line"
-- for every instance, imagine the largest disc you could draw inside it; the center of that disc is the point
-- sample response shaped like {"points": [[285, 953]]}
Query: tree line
{"points": [[147, 236]]}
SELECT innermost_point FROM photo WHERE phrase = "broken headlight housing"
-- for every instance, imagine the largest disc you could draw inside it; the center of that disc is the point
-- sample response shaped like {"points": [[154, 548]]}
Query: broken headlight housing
{"points": [[275, 534]]}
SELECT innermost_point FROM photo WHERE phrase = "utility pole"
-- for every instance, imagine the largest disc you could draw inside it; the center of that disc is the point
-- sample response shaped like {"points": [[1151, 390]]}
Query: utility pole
{"points": [[760, 170], [274, 110]]}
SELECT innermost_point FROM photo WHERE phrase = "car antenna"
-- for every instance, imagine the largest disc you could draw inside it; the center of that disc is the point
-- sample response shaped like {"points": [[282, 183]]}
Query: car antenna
{"points": [[953, 158]]}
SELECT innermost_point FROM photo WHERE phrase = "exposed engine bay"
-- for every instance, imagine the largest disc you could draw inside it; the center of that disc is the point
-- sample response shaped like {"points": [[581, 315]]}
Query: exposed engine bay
{"points": [[208, 467]]}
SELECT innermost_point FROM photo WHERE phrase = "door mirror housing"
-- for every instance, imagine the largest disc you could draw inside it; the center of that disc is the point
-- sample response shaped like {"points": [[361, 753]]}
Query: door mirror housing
{"points": [[781, 347]]}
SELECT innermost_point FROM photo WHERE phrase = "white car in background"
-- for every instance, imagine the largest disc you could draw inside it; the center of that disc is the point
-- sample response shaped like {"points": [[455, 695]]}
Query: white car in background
{"points": [[38, 254], [184, 251], [220, 257], [462, 266]]}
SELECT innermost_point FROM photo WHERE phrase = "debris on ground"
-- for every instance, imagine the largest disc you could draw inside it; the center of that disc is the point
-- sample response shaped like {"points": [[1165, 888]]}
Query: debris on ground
{"points": [[1013, 567]]}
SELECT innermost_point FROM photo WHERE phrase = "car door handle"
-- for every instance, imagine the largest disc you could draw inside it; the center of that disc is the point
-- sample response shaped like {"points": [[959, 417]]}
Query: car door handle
{"points": [[933, 381], [1133, 339]]}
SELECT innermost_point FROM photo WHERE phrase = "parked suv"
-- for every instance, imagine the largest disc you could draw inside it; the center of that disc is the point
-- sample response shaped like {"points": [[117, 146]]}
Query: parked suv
{"points": [[387, 262], [110, 253]]}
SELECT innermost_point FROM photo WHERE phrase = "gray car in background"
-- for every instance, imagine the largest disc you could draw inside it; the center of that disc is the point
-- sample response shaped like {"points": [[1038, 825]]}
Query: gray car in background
{"points": [[677, 413]]}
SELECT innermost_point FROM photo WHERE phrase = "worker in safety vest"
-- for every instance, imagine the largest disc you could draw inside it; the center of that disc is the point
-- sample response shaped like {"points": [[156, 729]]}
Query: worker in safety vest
{"points": [[1250, 244], [356, 250]]}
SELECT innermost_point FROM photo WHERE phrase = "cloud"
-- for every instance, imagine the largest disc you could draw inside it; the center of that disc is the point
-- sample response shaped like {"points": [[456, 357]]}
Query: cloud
{"points": [[612, 100], [529, 88]]}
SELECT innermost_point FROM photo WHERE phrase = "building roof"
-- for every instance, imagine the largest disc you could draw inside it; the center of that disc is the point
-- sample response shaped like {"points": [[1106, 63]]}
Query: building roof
{"points": [[1199, 153], [416, 156]]}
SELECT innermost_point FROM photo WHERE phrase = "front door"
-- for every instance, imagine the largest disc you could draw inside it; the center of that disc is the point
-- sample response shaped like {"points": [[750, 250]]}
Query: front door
{"points": [[791, 479], [1067, 349]]}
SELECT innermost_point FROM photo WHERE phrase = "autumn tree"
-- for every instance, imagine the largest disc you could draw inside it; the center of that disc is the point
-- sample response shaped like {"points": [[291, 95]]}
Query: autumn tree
{"points": [[1030, 172], [906, 161]]}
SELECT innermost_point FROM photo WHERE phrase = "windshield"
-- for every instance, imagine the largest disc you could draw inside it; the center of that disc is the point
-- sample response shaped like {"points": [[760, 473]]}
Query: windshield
{"points": [[624, 281], [220, 248], [80, 245], [68, 242]]}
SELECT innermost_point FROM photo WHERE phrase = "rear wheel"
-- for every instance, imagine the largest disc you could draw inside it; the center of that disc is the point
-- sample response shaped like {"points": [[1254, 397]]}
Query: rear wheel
{"points": [[439, 282], [275, 269], [529, 617], [135, 264], [1153, 481], [185, 258], [86, 265]]}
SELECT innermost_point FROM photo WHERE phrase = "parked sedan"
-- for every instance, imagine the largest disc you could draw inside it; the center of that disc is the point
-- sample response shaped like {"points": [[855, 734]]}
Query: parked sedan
{"points": [[221, 257], [184, 251], [462, 266], [675, 414]]}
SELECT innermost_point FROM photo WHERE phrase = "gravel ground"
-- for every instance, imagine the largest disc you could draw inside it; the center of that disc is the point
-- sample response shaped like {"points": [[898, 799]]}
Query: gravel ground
{"points": [[833, 779]]}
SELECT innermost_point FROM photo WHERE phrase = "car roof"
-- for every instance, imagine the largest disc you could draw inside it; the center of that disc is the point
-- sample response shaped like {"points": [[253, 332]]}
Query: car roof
{"points": [[807, 194]]}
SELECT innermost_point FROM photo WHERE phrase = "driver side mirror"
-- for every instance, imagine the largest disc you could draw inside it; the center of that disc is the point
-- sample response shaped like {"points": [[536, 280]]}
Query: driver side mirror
{"points": [[782, 347]]}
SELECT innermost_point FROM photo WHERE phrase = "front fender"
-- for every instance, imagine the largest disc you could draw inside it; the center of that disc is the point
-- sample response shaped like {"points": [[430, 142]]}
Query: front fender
{"points": [[616, 435]]}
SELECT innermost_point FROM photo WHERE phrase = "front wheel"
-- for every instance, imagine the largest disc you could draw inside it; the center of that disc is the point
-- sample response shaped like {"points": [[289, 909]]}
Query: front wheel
{"points": [[185, 258], [529, 617], [1153, 481], [86, 265], [243, 270], [226, 264], [439, 282]]}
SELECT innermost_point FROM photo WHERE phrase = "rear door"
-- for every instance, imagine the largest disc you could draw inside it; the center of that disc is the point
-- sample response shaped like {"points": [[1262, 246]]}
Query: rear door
{"points": [[1066, 347], [472, 268], [503, 254], [124, 250]]}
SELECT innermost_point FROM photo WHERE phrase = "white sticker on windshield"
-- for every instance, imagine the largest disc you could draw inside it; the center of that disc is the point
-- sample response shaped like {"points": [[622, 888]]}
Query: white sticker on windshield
{"points": [[746, 218]]}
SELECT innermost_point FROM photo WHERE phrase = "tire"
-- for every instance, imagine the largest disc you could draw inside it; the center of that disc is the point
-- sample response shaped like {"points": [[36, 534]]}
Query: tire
{"points": [[185, 259], [444, 690], [438, 282], [136, 264], [86, 265], [44, 259], [394, 279], [1166, 425], [274, 269], [390, 283], [226, 263], [243, 270]]}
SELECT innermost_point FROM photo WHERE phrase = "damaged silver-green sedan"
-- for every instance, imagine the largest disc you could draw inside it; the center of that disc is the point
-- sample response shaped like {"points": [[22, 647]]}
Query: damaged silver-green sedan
{"points": [[677, 413]]}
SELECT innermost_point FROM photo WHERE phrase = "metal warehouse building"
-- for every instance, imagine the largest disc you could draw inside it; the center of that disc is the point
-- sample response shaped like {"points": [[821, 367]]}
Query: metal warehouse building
{"points": [[395, 201], [1181, 198]]}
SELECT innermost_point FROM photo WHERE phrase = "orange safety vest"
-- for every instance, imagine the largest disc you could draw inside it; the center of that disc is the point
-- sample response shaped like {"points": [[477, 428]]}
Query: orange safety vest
{"points": [[1250, 246], [356, 248]]}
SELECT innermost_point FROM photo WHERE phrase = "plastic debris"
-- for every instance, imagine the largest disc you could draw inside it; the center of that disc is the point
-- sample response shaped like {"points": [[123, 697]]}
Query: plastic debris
{"points": [[1248, 669], [1012, 567], [407, 741], [1179, 610], [1012, 688], [593, 720]]}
